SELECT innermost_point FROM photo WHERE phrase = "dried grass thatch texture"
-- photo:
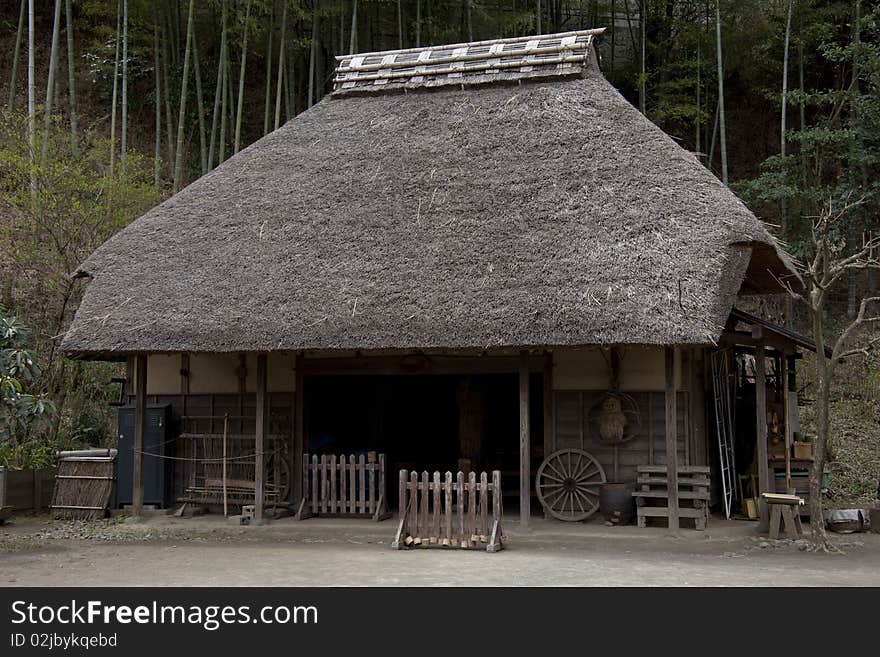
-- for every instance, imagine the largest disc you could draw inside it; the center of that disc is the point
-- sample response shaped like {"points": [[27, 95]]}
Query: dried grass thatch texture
{"points": [[541, 213]]}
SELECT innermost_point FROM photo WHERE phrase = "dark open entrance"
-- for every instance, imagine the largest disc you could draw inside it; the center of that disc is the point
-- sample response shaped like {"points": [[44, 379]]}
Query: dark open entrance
{"points": [[423, 422]]}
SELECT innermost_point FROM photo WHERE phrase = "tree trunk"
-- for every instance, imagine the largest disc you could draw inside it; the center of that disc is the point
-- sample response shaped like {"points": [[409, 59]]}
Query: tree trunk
{"points": [[699, 120], [643, 73], [166, 68], [218, 89], [269, 54], [247, 20], [313, 53], [400, 25], [16, 53], [538, 17], [200, 105], [181, 117], [157, 148], [613, 28], [823, 384], [783, 113], [32, 104], [50, 81], [352, 45], [721, 123], [280, 81], [71, 75], [123, 147], [418, 23], [115, 87]]}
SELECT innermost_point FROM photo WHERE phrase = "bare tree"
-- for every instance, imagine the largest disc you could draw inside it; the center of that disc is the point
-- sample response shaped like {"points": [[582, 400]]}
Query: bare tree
{"points": [[826, 266]]}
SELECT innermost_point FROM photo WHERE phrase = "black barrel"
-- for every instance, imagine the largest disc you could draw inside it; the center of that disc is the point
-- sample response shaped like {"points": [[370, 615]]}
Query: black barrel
{"points": [[616, 502]]}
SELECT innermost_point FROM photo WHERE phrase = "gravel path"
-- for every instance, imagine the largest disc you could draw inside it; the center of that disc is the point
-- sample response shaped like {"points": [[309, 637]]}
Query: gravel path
{"points": [[198, 552]]}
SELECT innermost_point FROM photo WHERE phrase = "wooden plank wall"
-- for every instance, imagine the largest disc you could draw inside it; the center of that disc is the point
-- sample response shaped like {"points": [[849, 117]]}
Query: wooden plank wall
{"points": [[280, 406], [572, 408]]}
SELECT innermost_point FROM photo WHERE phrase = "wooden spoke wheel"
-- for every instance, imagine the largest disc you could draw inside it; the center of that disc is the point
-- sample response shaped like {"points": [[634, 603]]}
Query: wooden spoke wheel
{"points": [[568, 484], [280, 477]]}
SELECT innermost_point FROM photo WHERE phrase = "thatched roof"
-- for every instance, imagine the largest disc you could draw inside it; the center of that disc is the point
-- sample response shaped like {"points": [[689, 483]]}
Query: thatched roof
{"points": [[529, 206]]}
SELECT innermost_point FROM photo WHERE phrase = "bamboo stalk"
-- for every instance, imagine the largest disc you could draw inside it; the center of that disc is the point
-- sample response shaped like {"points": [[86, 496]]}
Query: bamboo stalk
{"points": [[16, 53]]}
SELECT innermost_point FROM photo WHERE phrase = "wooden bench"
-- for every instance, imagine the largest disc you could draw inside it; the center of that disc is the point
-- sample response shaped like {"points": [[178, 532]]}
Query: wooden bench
{"points": [[652, 496], [781, 514]]}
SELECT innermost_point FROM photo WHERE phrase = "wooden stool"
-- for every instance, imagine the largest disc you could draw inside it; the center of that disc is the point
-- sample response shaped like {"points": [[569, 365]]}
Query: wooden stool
{"points": [[781, 513]]}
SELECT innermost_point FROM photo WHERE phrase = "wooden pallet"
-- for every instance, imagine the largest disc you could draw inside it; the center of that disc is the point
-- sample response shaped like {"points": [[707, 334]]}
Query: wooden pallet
{"points": [[652, 498]]}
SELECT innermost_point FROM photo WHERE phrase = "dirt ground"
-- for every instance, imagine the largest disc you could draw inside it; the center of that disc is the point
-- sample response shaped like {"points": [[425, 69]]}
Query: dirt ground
{"points": [[206, 551]]}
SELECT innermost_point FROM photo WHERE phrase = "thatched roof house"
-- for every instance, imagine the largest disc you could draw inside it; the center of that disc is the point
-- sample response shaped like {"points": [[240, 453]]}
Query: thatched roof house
{"points": [[473, 209], [478, 211]]}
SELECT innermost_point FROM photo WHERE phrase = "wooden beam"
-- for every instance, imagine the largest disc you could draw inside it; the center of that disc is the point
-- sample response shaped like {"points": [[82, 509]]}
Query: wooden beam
{"points": [[262, 413], [525, 447], [298, 430], [671, 437], [548, 404], [416, 365], [140, 424], [761, 432]]}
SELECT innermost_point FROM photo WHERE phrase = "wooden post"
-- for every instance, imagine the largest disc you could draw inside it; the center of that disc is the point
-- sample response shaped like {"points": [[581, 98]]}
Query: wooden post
{"points": [[261, 413], [783, 362], [548, 404], [697, 400], [140, 424], [671, 438], [225, 436], [525, 448], [761, 427], [184, 374], [298, 431]]}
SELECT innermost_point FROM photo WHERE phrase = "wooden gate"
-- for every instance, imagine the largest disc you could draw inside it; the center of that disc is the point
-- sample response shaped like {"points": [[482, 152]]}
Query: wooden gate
{"points": [[458, 513], [343, 485]]}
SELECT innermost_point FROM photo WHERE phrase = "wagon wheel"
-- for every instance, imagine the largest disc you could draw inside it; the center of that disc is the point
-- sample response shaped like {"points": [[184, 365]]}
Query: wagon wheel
{"points": [[283, 474], [568, 483]]}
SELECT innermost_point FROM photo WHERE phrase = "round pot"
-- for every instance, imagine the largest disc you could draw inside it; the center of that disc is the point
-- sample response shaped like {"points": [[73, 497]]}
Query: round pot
{"points": [[616, 503]]}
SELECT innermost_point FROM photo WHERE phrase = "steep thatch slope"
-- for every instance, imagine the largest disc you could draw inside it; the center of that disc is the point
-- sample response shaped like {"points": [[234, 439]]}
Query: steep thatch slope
{"points": [[549, 212]]}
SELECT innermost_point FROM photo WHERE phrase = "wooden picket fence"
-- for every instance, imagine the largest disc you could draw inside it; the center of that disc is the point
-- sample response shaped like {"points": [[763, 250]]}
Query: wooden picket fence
{"points": [[463, 512], [343, 486]]}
